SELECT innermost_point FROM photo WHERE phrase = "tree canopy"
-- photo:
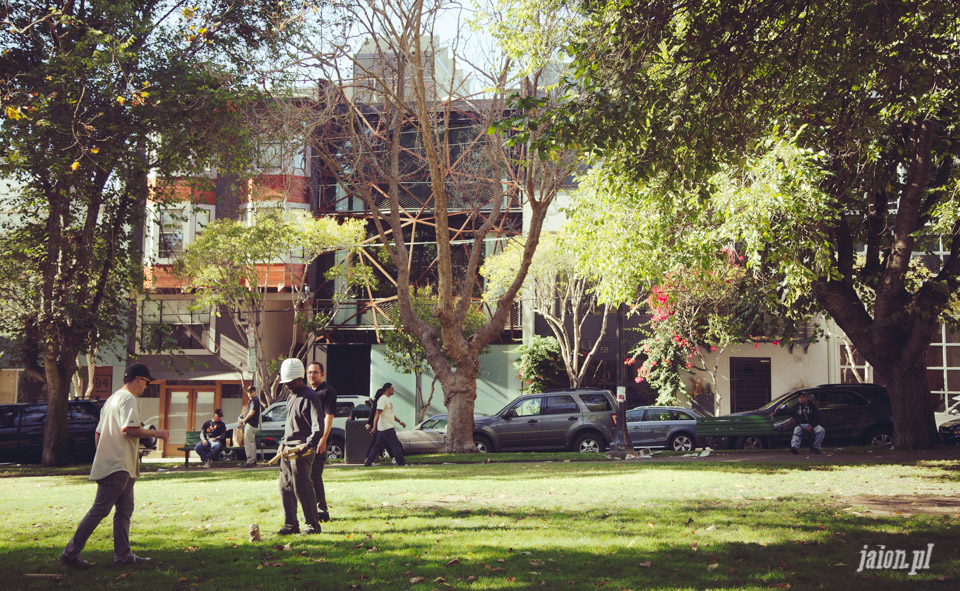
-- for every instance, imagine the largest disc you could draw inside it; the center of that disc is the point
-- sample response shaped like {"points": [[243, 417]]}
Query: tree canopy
{"points": [[98, 96], [805, 134]]}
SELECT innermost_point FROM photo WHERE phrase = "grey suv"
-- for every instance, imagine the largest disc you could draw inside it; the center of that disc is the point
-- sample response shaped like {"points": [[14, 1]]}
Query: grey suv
{"points": [[580, 419]]}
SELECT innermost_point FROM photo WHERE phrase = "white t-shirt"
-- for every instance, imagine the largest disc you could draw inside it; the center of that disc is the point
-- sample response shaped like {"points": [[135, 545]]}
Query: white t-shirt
{"points": [[386, 414], [116, 451]]}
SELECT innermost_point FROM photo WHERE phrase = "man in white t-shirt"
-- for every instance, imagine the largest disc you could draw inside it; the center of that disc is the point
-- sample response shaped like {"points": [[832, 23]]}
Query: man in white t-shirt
{"points": [[116, 466], [385, 431]]}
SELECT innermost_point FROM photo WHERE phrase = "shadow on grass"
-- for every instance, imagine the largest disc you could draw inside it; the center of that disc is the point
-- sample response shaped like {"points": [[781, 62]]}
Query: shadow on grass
{"points": [[695, 545]]}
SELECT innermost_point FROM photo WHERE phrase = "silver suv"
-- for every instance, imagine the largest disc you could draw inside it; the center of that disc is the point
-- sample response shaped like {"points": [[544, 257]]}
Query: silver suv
{"points": [[578, 419]]}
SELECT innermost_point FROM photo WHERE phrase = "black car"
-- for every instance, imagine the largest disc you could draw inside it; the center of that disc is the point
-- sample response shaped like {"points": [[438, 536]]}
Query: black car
{"points": [[950, 432], [851, 414], [21, 430], [574, 418]]}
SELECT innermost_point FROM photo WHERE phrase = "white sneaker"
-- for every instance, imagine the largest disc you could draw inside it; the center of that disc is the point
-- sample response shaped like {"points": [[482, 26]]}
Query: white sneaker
{"points": [[207, 464]]}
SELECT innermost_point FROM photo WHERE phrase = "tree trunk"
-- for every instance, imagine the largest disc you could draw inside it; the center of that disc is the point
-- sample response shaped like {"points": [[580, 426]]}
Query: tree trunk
{"points": [[906, 381], [59, 370], [459, 395]]}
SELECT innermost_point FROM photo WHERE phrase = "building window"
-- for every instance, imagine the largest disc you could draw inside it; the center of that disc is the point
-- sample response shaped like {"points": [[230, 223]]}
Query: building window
{"points": [[175, 228], [170, 324], [943, 370], [854, 369], [279, 158]]}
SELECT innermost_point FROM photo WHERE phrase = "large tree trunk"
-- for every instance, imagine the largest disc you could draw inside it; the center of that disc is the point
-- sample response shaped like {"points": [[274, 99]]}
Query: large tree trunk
{"points": [[906, 381], [59, 367], [459, 396]]}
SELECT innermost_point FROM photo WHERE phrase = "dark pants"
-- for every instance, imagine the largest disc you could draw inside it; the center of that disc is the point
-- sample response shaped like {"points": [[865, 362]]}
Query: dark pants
{"points": [[316, 475], [296, 485], [115, 490], [388, 439]]}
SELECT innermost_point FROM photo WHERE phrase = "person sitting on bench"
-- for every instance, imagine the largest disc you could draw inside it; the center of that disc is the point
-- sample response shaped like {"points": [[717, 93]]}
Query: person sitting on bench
{"points": [[213, 437], [808, 422]]}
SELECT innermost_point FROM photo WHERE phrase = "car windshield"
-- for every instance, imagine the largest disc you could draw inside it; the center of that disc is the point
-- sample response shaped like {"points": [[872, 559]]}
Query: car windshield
{"points": [[773, 404]]}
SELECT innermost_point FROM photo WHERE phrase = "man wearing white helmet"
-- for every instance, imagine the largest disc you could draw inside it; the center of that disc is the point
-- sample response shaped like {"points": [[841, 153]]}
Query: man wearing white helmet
{"points": [[302, 433]]}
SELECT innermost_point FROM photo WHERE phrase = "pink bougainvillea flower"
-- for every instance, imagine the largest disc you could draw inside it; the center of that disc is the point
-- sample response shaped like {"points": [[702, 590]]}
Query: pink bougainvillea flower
{"points": [[756, 345], [638, 380], [776, 342], [629, 361], [712, 348]]}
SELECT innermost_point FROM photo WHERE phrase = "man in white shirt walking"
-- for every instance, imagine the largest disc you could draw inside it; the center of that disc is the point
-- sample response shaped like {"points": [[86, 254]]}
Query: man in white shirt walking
{"points": [[116, 466], [385, 431]]}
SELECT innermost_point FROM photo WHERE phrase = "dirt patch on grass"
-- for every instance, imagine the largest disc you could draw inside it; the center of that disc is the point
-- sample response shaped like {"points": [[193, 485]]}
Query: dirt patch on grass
{"points": [[905, 505]]}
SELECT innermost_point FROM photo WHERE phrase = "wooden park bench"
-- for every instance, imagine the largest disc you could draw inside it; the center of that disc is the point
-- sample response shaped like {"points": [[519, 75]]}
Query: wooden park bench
{"points": [[264, 444], [191, 440], [735, 428]]}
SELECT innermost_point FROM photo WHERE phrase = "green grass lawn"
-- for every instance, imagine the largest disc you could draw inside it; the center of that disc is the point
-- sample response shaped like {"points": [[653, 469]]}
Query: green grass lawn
{"points": [[505, 525]]}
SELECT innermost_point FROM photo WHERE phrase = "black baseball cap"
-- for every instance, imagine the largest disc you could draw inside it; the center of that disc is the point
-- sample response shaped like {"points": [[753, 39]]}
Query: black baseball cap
{"points": [[137, 370]]}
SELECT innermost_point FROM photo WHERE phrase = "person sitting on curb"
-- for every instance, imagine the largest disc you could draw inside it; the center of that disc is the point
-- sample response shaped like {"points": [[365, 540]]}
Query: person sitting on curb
{"points": [[213, 437], [807, 418]]}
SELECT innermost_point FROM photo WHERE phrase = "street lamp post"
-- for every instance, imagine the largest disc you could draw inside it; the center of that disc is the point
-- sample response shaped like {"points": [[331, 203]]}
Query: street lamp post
{"points": [[621, 444]]}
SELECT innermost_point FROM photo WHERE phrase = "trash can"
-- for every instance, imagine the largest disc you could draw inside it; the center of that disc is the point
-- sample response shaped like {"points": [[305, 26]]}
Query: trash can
{"points": [[357, 442]]}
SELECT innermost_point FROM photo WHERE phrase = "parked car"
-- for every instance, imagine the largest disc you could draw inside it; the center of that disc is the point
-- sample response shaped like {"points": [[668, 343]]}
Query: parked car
{"points": [[22, 424], [663, 426], [430, 436], [575, 419], [273, 419], [851, 414], [950, 432]]}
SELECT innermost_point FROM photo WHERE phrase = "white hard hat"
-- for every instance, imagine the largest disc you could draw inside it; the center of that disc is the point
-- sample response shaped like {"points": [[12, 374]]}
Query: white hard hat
{"points": [[290, 370]]}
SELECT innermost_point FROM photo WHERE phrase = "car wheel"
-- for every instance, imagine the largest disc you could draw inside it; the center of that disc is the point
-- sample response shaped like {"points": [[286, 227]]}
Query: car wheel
{"points": [[751, 442], [589, 443], [334, 449], [682, 442], [882, 437], [483, 444]]}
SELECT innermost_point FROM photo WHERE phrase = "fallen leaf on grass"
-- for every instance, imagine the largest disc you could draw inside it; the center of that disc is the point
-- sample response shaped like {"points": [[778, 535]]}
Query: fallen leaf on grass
{"points": [[536, 561], [453, 562], [471, 579], [123, 576], [712, 567], [779, 586], [439, 580], [373, 549], [646, 564], [416, 580]]}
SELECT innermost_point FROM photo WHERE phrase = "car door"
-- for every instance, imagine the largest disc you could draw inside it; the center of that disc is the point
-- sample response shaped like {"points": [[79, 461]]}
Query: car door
{"points": [[519, 425], [425, 438], [634, 419], [9, 433], [31, 432], [841, 414], [656, 426], [560, 414]]}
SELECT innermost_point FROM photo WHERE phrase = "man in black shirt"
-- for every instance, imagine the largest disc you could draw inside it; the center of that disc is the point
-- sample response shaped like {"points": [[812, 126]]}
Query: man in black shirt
{"points": [[250, 422], [301, 436], [328, 409], [213, 436]]}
